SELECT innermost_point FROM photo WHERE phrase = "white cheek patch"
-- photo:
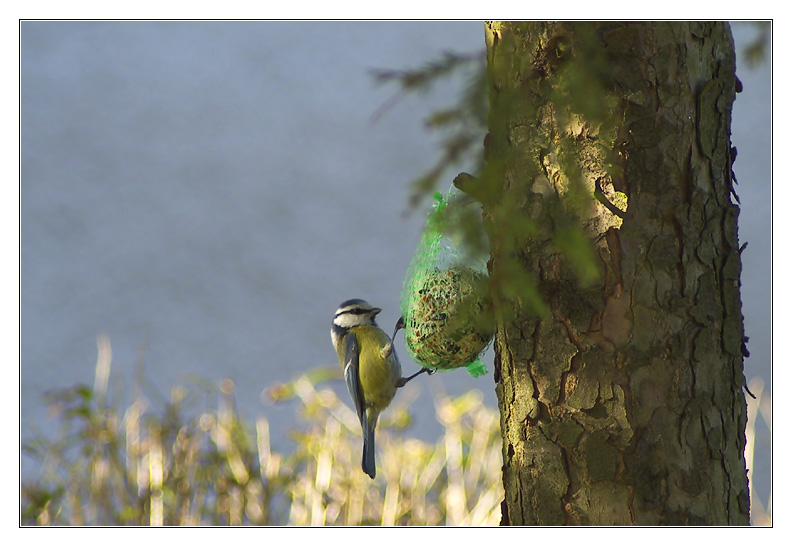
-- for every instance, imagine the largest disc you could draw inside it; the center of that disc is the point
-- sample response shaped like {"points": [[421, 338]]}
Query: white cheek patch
{"points": [[346, 320]]}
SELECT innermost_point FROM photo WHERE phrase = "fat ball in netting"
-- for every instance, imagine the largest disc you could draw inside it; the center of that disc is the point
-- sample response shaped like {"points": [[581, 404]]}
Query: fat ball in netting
{"points": [[445, 302]]}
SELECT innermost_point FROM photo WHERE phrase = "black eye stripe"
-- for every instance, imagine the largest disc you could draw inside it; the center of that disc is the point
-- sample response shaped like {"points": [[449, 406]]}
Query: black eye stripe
{"points": [[353, 311]]}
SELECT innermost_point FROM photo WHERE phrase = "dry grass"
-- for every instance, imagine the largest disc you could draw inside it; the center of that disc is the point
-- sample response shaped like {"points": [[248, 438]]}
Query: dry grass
{"points": [[760, 419], [134, 466]]}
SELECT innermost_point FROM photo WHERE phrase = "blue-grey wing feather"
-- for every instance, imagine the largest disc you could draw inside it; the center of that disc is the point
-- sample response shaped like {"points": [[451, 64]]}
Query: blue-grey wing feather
{"points": [[352, 377], [352, 374]]}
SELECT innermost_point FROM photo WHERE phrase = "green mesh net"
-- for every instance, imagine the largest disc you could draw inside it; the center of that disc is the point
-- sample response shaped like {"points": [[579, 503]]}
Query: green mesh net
{"points": [[445, 301]]}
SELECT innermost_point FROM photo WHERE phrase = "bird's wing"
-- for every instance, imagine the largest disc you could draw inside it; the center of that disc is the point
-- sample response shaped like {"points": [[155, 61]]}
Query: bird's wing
{"points": [[352, 374]]}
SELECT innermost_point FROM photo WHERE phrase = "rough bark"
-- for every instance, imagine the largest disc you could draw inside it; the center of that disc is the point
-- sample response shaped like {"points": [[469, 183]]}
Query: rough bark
{"points": [[621, 391]]}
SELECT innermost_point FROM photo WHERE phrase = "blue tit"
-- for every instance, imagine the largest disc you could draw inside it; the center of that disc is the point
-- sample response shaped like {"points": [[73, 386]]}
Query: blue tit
{"points": [[371, 367]]}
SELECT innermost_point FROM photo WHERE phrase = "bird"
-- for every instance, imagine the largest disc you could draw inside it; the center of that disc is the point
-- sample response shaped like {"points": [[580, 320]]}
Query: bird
{"points": [[371, 368]]}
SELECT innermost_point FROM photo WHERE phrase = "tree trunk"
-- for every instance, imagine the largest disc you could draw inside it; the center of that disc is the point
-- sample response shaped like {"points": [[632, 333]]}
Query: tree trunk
{"points": [[618, 354]]}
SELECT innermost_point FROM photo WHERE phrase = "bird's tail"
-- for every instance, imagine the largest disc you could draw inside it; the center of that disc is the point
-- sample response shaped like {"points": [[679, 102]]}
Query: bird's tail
{"points": [[369, 466]]}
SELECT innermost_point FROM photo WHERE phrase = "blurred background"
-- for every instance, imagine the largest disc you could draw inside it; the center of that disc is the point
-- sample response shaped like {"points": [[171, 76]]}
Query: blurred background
{"points": [[205, 194]]}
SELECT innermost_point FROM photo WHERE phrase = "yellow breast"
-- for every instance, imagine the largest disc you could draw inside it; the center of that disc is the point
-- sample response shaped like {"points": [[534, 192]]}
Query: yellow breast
{"points": [[378, 375]]}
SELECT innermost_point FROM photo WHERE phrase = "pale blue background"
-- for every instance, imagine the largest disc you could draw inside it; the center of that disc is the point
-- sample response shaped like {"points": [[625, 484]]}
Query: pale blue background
{"points": [[208, 193]]}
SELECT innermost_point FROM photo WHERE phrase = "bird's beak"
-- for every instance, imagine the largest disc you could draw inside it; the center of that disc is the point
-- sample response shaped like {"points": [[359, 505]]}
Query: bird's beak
{"points": [[375, 311]]}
